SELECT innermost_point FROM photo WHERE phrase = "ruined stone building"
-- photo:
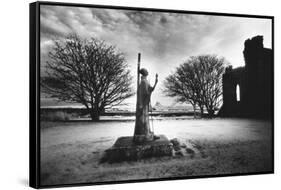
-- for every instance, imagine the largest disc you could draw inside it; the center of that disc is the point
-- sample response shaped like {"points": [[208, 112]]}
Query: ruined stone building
{"points": [[248, 91]]}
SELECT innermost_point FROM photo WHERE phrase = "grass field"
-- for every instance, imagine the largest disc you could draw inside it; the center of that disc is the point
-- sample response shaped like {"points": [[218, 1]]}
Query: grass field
{"points": [[71, 151]]}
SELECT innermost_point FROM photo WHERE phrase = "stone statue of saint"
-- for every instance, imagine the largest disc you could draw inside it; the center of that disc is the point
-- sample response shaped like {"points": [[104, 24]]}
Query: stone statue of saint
{"points": [[143, 133]]}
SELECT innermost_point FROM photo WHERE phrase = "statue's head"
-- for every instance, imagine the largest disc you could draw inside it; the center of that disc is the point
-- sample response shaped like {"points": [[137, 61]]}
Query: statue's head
{"points": [[143, 72]]}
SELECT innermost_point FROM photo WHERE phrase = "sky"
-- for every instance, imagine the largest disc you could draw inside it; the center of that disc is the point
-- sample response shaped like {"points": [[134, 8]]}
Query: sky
{"points": [[165, 40]]}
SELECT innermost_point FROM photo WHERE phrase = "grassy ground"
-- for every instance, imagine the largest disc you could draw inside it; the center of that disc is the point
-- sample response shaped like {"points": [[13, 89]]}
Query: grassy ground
{"points": [[71, 151]]}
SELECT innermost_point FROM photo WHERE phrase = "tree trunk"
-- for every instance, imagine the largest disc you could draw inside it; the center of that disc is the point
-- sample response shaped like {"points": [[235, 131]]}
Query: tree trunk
{"points": [[211, 113], [202, 111], [194, 110], [95, 115]]}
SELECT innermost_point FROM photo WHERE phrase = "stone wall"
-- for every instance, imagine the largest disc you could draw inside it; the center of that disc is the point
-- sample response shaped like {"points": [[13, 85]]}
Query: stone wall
{"points": [[255, 81]]}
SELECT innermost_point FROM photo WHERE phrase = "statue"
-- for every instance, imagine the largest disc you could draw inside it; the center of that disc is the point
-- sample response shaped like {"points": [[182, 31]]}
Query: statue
{"points": [[143, 132], [144, 143]]}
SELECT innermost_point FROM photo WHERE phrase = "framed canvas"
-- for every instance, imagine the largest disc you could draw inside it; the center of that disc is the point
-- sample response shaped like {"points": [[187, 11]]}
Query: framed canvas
{"points": [[126, 94]]}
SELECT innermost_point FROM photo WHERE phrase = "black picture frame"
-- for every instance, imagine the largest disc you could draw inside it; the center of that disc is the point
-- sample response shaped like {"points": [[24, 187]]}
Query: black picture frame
{"points": [[34, 98]]}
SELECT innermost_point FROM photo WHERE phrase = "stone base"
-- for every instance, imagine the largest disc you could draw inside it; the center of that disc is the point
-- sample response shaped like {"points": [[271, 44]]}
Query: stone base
{"points": [[125, 149]]}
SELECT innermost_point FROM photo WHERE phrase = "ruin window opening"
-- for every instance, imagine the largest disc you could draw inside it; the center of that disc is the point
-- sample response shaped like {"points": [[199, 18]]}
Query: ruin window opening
{"points": [[237, 93]]}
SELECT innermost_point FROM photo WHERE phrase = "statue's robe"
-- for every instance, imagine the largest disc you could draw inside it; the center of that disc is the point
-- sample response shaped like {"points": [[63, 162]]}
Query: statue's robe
{"points": [[142, 128]]}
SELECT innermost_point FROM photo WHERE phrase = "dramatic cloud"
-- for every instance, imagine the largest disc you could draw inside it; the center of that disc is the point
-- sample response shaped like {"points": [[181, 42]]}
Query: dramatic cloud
{"points": [[164, 39]]}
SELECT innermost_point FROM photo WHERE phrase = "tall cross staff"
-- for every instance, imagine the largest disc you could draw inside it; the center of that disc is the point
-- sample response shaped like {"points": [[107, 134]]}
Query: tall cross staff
{"points": [[138, 80]]}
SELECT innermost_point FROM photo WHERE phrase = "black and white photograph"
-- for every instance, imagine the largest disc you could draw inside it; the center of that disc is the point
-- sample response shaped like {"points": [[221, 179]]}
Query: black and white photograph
{"points": [[138, 94]]}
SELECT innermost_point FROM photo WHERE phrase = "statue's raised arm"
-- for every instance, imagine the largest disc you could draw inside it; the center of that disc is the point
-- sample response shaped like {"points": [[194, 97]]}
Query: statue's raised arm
{"points": [[156, 81]]}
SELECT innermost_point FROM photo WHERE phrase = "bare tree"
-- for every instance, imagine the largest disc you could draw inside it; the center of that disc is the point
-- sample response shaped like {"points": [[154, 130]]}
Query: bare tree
{"points": [[181, 85], [89, 72], [199, 82]]}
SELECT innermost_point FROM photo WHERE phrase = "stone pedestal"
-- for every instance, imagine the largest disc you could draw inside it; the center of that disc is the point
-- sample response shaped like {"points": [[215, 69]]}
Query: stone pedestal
{"points": [[126, 149]]}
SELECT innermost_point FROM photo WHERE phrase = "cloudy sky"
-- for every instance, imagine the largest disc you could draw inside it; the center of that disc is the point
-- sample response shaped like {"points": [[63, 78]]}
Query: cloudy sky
{"points": [[165, 40]]}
